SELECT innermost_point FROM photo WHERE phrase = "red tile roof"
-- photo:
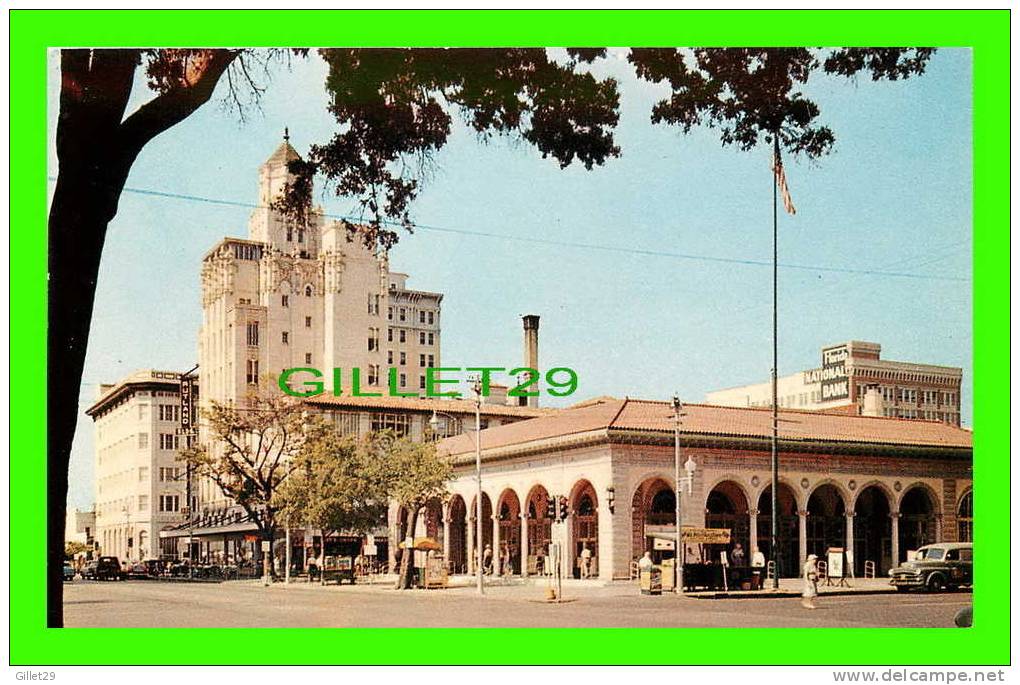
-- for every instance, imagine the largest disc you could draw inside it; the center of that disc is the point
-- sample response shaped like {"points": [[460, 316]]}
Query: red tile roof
{"points": [[701, 419], [427, 404]]}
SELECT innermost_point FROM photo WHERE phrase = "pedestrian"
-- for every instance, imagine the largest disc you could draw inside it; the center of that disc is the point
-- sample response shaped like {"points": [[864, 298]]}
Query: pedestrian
{"points": [[810, 582], [645, 562], [504, 561], [737, 558], [757, 564], [585, 560], [313, 567], [487, 560]]}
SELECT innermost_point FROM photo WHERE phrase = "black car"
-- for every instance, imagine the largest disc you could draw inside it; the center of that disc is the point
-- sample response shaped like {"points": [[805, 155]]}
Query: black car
{"points": [[108, 568], [936, 567]]}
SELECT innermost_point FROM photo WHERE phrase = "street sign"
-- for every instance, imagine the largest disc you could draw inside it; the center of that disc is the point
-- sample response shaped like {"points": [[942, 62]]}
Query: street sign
{"points": [[371, 550], [706, 536], [266, 545]]}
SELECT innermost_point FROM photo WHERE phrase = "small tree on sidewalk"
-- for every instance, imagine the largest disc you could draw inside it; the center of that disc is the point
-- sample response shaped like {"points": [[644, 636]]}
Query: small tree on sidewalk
{"points": [[417, 473], [339, 484], [253, 449]]}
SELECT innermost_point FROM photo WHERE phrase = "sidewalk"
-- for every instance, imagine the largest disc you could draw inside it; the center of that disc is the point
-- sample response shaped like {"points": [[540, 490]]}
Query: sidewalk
{"points": [[793, 587], [533, 589]]}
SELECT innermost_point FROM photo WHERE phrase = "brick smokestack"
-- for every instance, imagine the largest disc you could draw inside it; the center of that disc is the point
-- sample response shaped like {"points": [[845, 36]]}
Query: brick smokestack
{"points": [[530, 354]]}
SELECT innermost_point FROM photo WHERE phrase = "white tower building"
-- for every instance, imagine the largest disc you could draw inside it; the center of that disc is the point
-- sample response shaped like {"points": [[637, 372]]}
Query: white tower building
{"points": [[305, 295]]}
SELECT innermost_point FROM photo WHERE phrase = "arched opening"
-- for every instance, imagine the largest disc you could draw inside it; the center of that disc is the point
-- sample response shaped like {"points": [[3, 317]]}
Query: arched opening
{"points": [[584, 509], [510, 530], [539, 530], [872, 531], [965, 518], [457, 563], [917, 520], [726, 507], [653, 511], [826, 521], [787, 556]]}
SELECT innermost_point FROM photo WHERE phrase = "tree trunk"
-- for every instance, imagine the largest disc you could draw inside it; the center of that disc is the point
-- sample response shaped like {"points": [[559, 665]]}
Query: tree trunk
{"points": [[76, 243], [92, 171], [407, 558], [95, 147]]}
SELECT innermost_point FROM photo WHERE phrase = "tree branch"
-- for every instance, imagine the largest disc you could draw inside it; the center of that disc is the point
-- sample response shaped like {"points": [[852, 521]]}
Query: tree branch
{"points": [[176, 104]]}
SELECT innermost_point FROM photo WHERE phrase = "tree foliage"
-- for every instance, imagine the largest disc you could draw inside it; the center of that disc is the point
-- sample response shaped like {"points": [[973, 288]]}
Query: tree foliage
{"points": [[753, 93], [394, 109], [418, 473], [253, 449], [340, 483]]}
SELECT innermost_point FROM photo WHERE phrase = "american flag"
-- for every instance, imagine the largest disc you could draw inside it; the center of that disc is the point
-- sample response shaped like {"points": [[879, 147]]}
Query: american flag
{"points": [[784, 190]]}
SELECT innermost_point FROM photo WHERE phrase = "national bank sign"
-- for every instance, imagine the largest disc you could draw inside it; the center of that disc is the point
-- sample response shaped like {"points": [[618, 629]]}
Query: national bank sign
{"points": [[833, 377]]}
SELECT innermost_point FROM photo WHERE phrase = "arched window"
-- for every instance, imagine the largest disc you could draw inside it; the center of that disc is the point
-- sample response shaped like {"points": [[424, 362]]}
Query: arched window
{"points": [[308, 291], [664, 502], [965, 518], [585, 507]]}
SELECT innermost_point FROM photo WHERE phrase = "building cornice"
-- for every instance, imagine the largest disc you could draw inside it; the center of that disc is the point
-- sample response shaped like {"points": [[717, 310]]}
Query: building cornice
{"points": [[616, 436]]}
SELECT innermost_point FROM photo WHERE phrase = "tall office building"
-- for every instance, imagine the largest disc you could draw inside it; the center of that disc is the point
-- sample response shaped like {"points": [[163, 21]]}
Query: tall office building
{"points": [[305, 295], [140, 485]]}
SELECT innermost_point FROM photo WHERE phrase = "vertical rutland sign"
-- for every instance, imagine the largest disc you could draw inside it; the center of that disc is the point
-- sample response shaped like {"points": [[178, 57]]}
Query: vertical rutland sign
{"points": [[187, 389]]}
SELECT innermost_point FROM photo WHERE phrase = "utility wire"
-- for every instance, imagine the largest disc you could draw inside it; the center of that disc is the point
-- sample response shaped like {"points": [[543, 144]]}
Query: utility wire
{"points": [[570, 244]]}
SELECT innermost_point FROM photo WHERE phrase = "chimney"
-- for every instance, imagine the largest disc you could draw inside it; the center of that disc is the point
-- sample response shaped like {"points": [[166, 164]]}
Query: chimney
{"points": [[873, 405], [530, 355]]}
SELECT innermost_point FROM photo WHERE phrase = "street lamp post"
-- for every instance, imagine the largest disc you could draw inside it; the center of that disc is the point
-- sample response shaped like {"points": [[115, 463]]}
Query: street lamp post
{"points": [[687, 480], [434, 423], [477, 389]]}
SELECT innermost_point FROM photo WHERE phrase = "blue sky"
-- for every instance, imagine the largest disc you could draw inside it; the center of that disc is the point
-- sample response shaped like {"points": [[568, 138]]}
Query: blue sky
{"points": [[895, 195]]}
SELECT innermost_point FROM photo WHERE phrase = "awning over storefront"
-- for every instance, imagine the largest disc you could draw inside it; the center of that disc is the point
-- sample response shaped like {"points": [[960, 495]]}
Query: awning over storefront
{"points": [[205, 531]]}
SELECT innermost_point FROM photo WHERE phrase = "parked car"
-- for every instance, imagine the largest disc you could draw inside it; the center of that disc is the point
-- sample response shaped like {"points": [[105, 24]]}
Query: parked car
{"points": [[88, 572], [936, 567], [137, 571], [68, 572], [108, 568]]}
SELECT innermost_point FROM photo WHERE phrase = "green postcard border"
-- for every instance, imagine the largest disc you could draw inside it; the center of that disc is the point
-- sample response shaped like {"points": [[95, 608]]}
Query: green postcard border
{"points": [[985, 32]]}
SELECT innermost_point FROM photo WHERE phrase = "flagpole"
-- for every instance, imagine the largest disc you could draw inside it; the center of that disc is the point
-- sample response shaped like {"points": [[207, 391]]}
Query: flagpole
{"points": [[775, 358]]}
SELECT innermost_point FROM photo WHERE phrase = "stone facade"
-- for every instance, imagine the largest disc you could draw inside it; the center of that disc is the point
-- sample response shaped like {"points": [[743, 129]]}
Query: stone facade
{"points": [[877, 498], [139, 482]]}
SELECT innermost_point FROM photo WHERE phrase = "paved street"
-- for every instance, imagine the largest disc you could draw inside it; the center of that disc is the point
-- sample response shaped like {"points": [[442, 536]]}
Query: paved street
{"points": [[242, 604]]}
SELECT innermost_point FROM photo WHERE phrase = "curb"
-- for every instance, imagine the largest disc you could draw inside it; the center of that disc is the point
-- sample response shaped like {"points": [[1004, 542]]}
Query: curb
{"points": [[767, 594]]}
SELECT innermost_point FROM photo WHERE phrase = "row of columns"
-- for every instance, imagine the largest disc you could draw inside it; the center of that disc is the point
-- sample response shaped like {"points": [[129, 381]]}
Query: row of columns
{"points": [[522, 552], [802, 516]]}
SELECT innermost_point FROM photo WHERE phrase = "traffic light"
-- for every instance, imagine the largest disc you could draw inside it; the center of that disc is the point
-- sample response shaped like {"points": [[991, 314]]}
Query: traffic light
{"points": [[563, 509], [131, 542], [550, 507]]}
